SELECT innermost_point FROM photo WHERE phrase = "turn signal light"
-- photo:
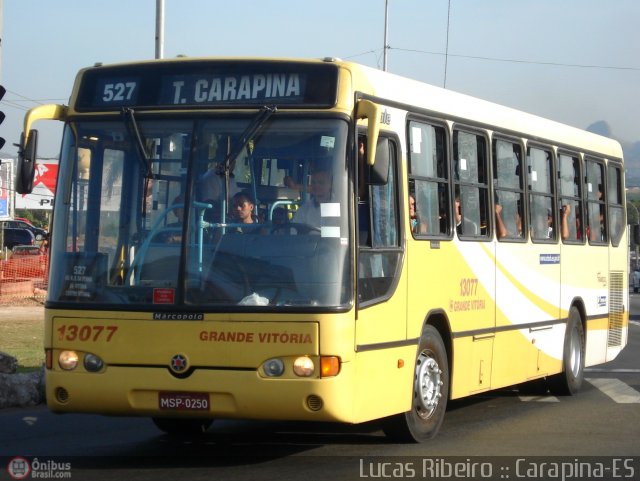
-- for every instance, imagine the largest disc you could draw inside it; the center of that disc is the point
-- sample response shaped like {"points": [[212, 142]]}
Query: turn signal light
{"points": [[329, 366]]}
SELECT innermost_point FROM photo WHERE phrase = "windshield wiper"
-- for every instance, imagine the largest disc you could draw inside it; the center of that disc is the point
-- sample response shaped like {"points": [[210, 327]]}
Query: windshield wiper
{"points": [[129, 115], [256, 124]]}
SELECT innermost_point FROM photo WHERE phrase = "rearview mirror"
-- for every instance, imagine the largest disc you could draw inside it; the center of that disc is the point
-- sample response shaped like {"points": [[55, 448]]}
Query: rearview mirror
{"points": [[378, 173], [26, 169]]}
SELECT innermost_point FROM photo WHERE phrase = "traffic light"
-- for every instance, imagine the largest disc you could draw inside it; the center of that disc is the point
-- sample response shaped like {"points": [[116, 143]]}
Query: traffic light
{"points": [[2, 92]]}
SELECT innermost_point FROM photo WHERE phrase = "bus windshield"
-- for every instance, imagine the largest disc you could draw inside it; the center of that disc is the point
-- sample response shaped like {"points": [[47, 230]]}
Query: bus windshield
{"points": [[216, 213]]}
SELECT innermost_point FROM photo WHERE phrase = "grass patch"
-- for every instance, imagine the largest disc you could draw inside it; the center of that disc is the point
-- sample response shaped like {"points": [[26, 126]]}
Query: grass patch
{"points": [[24, 340]]}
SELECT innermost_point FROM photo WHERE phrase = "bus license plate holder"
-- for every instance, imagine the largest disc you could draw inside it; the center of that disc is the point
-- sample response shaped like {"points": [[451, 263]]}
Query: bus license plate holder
{"points": [[183, 401]]}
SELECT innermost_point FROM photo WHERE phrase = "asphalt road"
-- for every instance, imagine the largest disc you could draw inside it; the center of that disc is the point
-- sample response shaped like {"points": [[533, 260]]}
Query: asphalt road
{"points": [[497, 428]]}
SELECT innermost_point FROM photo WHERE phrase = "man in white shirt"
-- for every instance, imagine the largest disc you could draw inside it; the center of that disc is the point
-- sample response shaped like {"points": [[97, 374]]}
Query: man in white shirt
{"points": [[320, 189]]}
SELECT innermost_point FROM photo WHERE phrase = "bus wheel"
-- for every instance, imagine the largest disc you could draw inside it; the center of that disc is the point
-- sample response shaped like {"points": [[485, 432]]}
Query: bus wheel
{"points": [[568, 382], [430, 393], [182, 427]]}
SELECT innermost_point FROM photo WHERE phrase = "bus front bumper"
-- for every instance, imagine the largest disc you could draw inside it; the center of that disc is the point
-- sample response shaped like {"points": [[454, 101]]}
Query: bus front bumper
{"points": [[206, 393]]}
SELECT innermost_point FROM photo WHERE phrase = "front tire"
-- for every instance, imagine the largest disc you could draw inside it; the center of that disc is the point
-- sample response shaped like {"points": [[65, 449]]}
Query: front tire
{"points": [[569, 381], [430, 393]]}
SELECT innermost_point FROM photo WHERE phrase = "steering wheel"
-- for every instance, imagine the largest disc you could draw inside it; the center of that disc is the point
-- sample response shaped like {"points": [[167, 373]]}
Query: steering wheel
{"points": [[299, 228]]}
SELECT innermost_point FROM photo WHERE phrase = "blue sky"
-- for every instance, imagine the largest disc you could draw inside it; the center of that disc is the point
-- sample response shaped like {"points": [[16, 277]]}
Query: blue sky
{"points": [[575, 61]]}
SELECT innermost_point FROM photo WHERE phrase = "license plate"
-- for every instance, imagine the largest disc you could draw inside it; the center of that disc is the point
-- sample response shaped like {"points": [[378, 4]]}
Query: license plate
{"points": [[184, 401]]}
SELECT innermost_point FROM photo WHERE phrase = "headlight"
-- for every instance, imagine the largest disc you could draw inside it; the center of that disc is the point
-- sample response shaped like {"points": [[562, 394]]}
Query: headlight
{"points": [[303, 366], [68, 360], [273, 367], [92, 363]]}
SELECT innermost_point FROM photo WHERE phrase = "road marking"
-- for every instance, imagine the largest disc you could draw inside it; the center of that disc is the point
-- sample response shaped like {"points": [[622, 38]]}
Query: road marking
{"points": [[635, 323], [617, 390], [539, 399], [30, 420], [621, 370]]}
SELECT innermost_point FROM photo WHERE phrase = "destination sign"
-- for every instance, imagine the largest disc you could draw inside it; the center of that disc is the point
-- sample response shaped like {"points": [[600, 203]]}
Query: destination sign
{"points": [[178, 84], [193, 89]]}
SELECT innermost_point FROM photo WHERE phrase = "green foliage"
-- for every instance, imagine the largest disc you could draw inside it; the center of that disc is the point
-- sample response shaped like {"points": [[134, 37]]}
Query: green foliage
{"points": [[39, 218]]}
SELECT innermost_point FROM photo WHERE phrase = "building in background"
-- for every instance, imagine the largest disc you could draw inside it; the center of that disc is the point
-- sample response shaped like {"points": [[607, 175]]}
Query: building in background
{"points": [[44, 188], [6, 189]]}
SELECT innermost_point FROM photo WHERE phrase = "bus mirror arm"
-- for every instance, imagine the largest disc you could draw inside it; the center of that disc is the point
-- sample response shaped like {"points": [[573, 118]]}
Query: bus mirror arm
{"points": [[28, 147], [370, 111]]}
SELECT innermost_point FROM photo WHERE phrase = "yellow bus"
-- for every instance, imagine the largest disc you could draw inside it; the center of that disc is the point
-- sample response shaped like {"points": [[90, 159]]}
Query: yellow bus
{"points": [[318, 240]]}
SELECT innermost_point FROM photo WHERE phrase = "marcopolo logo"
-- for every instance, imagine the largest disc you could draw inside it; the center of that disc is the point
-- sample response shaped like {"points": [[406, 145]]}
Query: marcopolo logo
{"points": [[21, 468]]}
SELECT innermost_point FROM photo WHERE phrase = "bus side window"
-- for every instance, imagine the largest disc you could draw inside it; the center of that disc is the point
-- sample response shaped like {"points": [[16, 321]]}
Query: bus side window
{"points": [[596, 202], [471, 203], [428, 180], [570, 198], [509, 189], [615, 203], [542, 215]]}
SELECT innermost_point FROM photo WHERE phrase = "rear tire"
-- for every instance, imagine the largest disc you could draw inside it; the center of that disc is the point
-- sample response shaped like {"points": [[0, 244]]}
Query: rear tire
{"points": [[182, 427], [569, 381], [430, 393]]}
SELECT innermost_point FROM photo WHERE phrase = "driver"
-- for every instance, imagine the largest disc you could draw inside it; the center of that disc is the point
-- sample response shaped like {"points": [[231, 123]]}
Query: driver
{"points": [[320, 189]]}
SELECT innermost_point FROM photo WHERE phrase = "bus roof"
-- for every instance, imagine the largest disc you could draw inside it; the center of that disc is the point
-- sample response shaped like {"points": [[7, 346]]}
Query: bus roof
{"points": [[458, 107], [387, 88]]}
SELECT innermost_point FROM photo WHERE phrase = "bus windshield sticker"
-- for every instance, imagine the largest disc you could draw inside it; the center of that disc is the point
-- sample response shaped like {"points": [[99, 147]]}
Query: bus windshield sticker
{"points": [[329, 231], [84, 276], [330, 209], [328, 142]]}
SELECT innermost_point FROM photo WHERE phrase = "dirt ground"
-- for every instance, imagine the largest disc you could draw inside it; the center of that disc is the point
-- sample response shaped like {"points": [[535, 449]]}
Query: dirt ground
{"points": [[23, 309]]}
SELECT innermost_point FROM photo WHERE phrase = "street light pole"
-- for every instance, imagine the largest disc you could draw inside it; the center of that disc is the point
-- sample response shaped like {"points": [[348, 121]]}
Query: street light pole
{"points": [[159, 28]]}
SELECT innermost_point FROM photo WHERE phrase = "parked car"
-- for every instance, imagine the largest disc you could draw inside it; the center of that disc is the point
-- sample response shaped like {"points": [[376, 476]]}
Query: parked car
{"points": [[26, 250], [26, 262], [24, 220], [21, 224], [17, 237]]}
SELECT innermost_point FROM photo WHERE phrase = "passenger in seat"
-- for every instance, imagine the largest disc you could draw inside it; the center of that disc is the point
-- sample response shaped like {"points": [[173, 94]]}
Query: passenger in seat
{"points": [[242, 212]]}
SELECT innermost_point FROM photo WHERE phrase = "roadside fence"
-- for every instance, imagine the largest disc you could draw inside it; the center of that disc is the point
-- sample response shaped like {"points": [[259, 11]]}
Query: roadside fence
{"points": [[24, 273]]}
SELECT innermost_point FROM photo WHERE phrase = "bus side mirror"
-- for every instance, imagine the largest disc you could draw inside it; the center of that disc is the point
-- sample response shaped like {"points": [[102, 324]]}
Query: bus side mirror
{"points": [[378, 173], [25, 172]]}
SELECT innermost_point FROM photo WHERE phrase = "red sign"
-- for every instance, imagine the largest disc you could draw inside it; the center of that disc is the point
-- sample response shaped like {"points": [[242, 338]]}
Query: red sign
{"points": [[164, 295]]}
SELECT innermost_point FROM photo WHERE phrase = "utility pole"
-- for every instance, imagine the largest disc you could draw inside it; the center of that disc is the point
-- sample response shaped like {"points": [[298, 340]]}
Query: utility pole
{"points": [[159, 28], [386, 34]]}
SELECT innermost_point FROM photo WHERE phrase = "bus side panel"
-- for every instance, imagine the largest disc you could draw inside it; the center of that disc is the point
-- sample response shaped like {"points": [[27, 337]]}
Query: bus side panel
{"points": [[384, 380], [471, 310], [455, 280], [589, 283], [528, 296], [383, 362]]}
